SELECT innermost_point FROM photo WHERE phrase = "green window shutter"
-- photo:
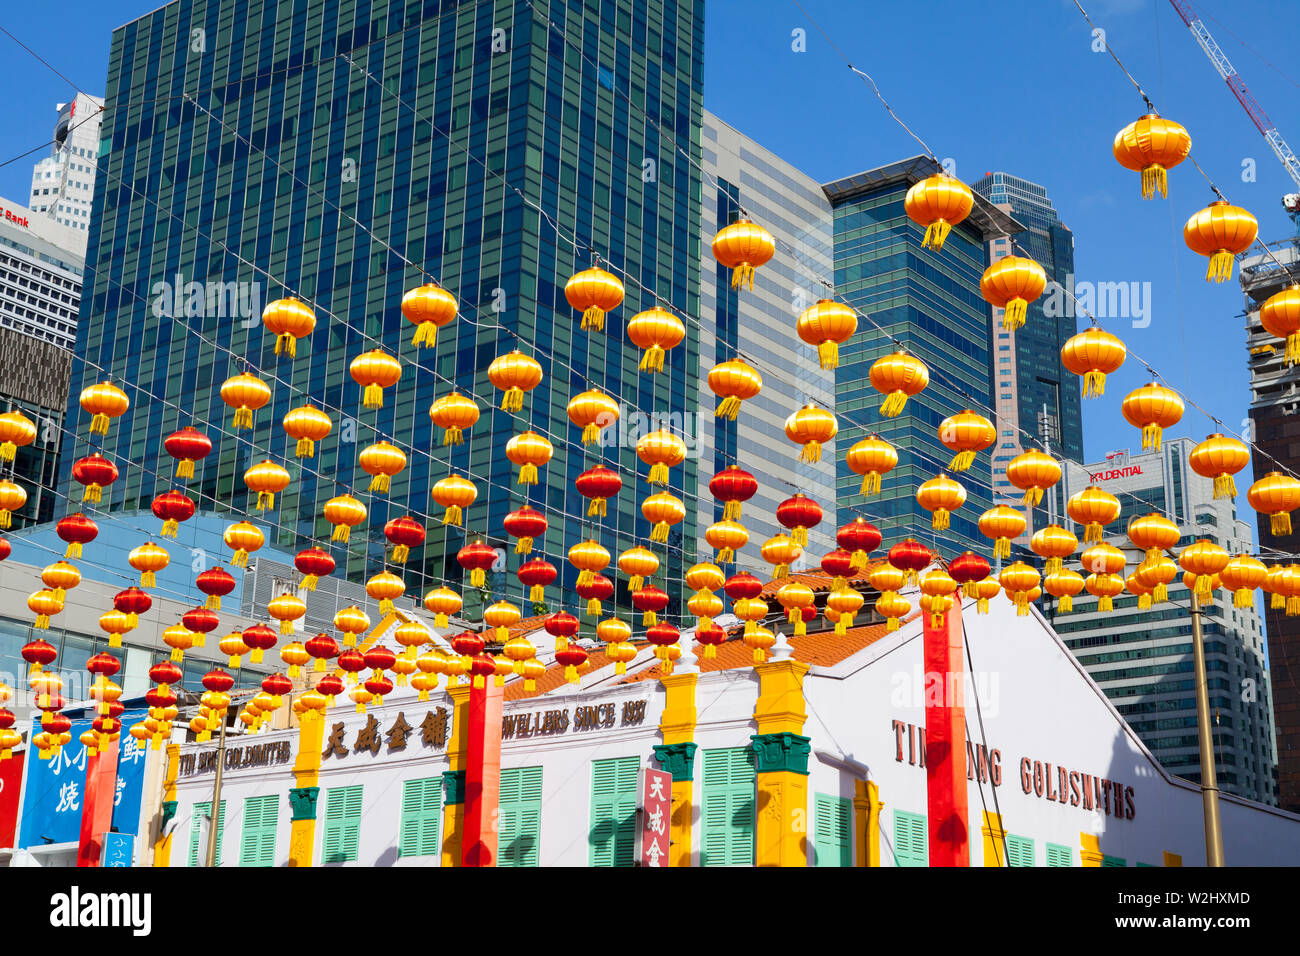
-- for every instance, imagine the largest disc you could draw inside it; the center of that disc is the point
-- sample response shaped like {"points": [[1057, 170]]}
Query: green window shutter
{"points": [[519, 817], [1113, 861], [612, 838], [421, 816], [1058, 855], [1146, 864], [1020, 851], [257, 839], [834, 830], [341, 838], [728, 814], [198, 854], [911, 841]]}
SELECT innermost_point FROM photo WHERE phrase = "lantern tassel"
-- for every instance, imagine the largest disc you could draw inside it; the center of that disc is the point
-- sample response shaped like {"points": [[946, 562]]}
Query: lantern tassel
{"points": [[169, 528], [373, 396], [1220, 267], [838, 582], [620, 667], [1160, 594], [284, 344], [591, 434], [513, 399], [742, 274], [1001, 548], [1293, 348], [780, 571], [1033, 496], [8, 450], [308, 583], [115, 640], [537, 593], [1280, 523], [962, 461], [858, 562], [652, 360], [524, 546], [401, 553], [306, 448], [426, 335], [440, 620], [477, 578], [147, 578], [593, 319], [265, 500], [379, 483], [1092, 532], [453, 436], [93, 493], [99, 424], [1151, 436], [1243, 597], [596, 508], [1154, 179], [891, 624], [828, 354], [1224, 486], [726, 555], [451, 516], [635, 583], [939, 522], [709, 651], [840, 627], [649, 618], [935, 234], [1104, 603], [527, 474], [6, 521], [730, 408], [1292, 606], [660, 532], [893, 404], [812, 451], [870, 483], [240, 560], [981, 605], [799, 535], [658, 474], [1094, 383], [243, 417], [593, 607], [1013, 314]]}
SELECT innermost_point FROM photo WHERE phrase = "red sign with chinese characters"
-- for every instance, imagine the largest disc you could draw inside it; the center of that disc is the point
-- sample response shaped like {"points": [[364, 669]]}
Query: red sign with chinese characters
{"points": [[653, 836], [11, 783]]}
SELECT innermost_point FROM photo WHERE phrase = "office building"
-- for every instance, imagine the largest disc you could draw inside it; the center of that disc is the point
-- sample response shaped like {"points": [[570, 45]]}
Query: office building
{"points": [[1142, 659], [759, 325], [63, 183], [347, 156], [930, 302], [1036, 398], [1274, 401]]}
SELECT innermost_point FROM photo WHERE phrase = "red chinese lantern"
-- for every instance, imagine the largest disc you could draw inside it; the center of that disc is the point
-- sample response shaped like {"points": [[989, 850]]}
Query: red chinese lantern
{"points": [[187, 446], [40, 653], [216, 582], [839, 565], [201, 621], [599, 484], [799, 513], [476, 558], [132, 602], [314, 564], [909, 556], [663, 636], [403, 533], [172, 507], [562, 626], [967, 569], [331, 685], [76, 529], [322, 647], [258, 638], [536, 575], [650, 600], [215, 680], [95, 472], [525, 523], [710, 636], [599, 588], [733, 486], [353, 662], [6, 549], [860, 537], [571, 658], [165, 673]]}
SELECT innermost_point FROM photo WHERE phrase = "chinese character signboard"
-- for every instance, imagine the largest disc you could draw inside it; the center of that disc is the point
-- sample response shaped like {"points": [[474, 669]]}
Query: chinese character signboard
{"points": [[656, 809], [118, 849]]}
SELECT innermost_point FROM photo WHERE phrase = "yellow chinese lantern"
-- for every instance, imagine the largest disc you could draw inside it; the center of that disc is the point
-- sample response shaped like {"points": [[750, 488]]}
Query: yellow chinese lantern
{"points": [[105, 401], [294, 655], [591, 411], [266, 478], [148, 559], [780, 552], [594, 292], [940, 496], [115, 623], [1103, 558], [1220, 231], [938, 203], [662, 510], [966, 433], [1055, 544], [307, 425], [661, 450], [455, 494], [1104, 587], [344, 512], [811, 427], [1093, 354], [352, 621], [655, 331], [1094, 509], [1220, 457], [44, 604], [1280, 316], [502, 615], [428, 307], [637, 563], [898, 376], [375, 371], [759, 640], [1157, 575], [742, 247], [1001, 523], [871, 457], [455, 414], [1152, 145], [726, 537], [1276, 495], [1152, 408], [180, 639], [382, 461], [1136, 586], [794, 597], [288, 320], [411, 635], [244, 539], [1154, 534], [1017, 581], [286, 608], [514, 373], [1064, 585], [887, 579], [1205, 559], [61, 577], [589, 557], [12, 498], [1011, 284], [734, 381], [245, 394], [826, 324], [385, 587], [892, 607], [1241, 575], [529, 451], [937, 589], [16, 431], [845, 602], [442, 602], [988, 588], [705, 605], [704, 576]]}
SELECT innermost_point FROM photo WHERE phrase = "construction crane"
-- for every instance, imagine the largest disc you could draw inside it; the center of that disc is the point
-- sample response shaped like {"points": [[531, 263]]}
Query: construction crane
{"points": [[1291, 201]]}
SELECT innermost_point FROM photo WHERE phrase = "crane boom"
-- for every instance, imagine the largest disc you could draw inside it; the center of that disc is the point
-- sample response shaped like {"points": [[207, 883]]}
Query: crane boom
{"points": [[1239, 89]]}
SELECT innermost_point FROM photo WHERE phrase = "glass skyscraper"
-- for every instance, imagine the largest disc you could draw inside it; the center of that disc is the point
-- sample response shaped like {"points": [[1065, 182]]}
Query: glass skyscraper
{"points": [[930, 302], [347, 152]]}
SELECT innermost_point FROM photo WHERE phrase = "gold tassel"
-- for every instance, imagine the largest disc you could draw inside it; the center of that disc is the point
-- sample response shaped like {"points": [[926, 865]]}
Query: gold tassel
{"points": [[731, 511], [265, 500], [284, 344], [649, 618], [620, 667], [828, 353], [306, 448], [115, 640], [42, 621], [452, 516], [426, 335], [1220, 267], [935, 234], [939, 522], [99, 425], [585, 577], [653, 360], [1293, 348], [1292, 606], [1144, 602], [379, 483], [840, 627], [892, 624], [402, 552], [858, 561], [1013, 314], [730, 408], [1224, 486], [962, 461], [240, 560], [1243, 597], [373, 397], [660, 532], [527, 474], [635, 583], [870, 483], [341, 532], [838, 582], [1052, 566], [6, 520], [170, 527], [1104, 603], [243, 417], [981, 605], [1153, 179], [812, 451], [524, 546], [93, 493], [256, 656], [593, 319], [440, 620], [147, 578], [593, 607], [596, 508], [453, 436], [726, 556], [742, 274], [710, 651], [1001, 548], [1280, 524], [591, 434], [1094, 383], [658, 474], [513, 399], [308, 583], [477, 578], [200, 639], [8, 450], [893, 404], [799, 535], [1151, 436], [1033, 496], [1092, 533], [781, 571]]}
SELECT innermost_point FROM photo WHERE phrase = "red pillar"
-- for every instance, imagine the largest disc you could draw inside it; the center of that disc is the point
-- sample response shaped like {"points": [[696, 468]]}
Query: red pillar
{"points": [[97, 804], [482, 775], [945, 741]]}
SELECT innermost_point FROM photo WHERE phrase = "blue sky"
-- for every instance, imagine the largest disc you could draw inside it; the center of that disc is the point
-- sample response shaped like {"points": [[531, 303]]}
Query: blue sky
{"points": [[1012, 86]]}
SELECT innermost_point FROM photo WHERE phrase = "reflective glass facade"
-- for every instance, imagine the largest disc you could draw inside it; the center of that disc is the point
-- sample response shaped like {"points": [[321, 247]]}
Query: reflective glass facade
{"points": [[358, 133]]}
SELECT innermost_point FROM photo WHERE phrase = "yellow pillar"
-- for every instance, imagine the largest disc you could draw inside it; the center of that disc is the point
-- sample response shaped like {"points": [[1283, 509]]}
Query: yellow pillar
{"points": [[1090, 850], [453, 804], [866, 815], [677, 755], [1173, 859], [994, 840], [781, 758], [162, 847], [302, 797]]}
